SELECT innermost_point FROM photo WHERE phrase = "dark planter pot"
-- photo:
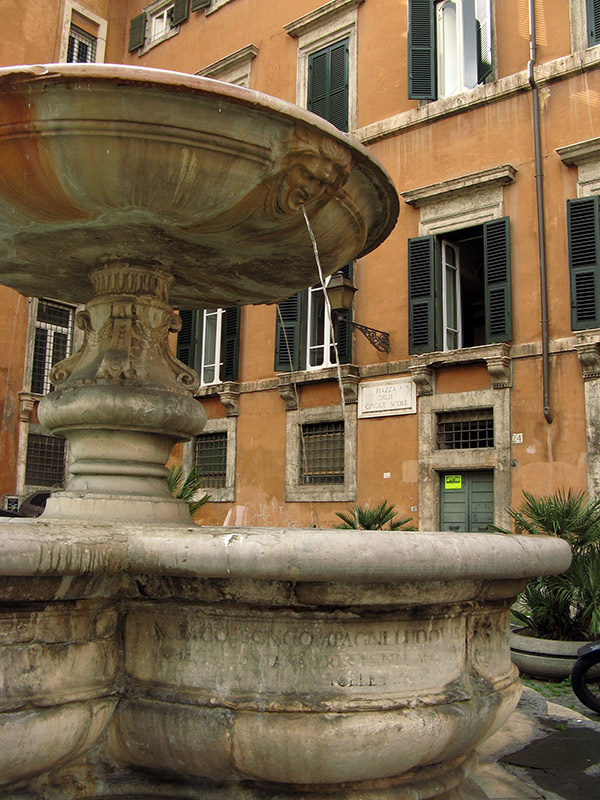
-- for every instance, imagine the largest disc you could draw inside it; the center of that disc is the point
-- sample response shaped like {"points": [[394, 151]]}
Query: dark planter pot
{"points": [[543, 658]]}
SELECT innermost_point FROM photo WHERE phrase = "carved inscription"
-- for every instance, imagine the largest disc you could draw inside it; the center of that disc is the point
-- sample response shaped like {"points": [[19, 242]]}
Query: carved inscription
{"points": [[294, 655]]}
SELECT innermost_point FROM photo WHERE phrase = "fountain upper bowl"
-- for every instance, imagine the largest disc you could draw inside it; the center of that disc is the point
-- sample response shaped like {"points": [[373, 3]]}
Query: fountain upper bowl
{"points": [[104, 163]]}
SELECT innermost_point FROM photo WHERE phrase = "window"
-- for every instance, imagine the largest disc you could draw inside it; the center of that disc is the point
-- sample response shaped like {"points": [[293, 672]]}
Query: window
{"points": [[584, 261], [460, 430], [592, 8], [460, 288], [82, 46], [209, 343], [82, 34], [45, 461], [234, 68], [52, 343], [321, 454], [303, 332], [210, 457], [328, 84], [449, 46], [157, 22]]}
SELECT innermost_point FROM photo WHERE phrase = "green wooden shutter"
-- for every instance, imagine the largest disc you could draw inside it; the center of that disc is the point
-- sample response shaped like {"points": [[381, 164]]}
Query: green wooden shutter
{"points": [[593, 22], [421, 294], [328, 84], [181, 11], [344, 330], [584, 261], [422, 69], [230, 343], [186, 338], [288, 335], [137, 32], [483, 15], [198, 4], [496, 269]]}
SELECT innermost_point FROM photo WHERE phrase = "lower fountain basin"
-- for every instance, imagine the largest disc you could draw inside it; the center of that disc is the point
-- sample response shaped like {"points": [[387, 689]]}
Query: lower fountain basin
{"points": [[277, 661]]}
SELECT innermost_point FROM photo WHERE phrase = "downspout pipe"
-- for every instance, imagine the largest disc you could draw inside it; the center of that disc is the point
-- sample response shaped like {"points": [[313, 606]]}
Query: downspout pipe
{"points": [[539, 188]]}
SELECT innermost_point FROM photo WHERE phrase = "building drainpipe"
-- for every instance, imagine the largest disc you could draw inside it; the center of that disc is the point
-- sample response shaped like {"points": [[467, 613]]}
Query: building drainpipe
{"points": [[540, 213]]}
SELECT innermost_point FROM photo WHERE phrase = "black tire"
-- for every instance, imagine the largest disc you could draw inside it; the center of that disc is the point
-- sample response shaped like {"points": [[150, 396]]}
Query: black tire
{"points": [[585, 680]]}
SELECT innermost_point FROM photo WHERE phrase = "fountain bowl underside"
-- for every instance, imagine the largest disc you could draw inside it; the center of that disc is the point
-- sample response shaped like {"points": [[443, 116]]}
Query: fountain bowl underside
{"points": [[105, 163]]}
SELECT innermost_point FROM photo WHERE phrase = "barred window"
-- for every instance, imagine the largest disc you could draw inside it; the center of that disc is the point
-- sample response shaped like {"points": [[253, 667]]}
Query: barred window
{"points": [[460, 430], [45, 464], [322, 453], [82, 46], [210, 457], [53, 342]]}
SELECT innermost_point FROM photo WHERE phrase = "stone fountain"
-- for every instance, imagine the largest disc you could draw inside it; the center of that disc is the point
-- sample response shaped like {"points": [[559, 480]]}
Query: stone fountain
{"points": [[145, 657]]}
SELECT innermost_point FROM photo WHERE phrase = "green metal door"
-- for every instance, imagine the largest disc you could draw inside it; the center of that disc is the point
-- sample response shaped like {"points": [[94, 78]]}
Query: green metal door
{"points": [[466, 501]]}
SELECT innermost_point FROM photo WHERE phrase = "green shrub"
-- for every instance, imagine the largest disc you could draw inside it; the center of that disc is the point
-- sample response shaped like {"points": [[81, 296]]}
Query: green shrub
{"points": [[374, 518], [185, 489], [566, 606]]}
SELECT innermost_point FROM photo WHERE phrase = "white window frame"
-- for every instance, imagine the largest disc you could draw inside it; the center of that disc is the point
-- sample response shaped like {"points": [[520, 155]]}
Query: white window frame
{"points": [[321, 28], [455, 268], [451, 78], [51, 329], [67, 21], [328, 343], [153, 11], [212, 360]]}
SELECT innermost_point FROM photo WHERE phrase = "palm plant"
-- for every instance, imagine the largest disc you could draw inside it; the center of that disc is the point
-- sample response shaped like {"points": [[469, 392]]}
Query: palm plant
{"points": [[566, 606], [374, 518], [185, 489]]}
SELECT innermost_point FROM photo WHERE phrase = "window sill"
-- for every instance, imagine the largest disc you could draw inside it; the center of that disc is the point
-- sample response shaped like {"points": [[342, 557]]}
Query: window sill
{"points": [[159, 40], [224, 494], [320, 493], [350, 380], [496, 357], [228, 393]]}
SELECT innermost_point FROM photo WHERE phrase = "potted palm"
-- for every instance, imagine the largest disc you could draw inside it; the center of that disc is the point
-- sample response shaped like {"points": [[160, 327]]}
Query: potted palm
{"points": [[559, 612], [374, 518]]}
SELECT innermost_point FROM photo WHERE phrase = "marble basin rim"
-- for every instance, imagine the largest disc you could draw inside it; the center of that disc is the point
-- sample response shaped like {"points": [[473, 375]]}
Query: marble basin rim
{"points": [[102, 163], [275, 656]]}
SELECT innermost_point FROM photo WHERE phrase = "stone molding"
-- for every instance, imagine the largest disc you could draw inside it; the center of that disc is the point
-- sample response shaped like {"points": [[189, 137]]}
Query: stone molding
{"points": [[588, 353], [497, 358], [580, 152], [320, 16], [350, 380], [234, 68], [228, 393], [27, 402], [457, 187], [504, 88]]}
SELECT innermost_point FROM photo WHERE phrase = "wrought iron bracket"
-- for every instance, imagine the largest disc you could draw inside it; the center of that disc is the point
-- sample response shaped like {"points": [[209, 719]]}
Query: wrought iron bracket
{"points": [[379, 339]]}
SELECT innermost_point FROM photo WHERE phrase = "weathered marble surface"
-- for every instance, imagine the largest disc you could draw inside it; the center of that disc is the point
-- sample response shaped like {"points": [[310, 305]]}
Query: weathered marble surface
{"points": [[140, 656]]}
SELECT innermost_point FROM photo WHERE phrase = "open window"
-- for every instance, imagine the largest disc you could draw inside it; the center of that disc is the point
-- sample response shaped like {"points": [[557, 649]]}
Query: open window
{"points": [[460, 288], [449, 46], [209, 342]]}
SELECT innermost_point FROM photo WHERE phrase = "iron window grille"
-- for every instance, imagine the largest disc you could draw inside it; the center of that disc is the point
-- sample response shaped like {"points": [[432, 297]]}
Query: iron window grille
{"points": [[46, 460], [82, 46], [53, 342], [210, 458], [461, 430], [322, 453]]}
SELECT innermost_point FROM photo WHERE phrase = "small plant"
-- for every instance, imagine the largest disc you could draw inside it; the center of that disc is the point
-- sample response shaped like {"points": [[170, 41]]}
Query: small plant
{"points": [[186, 489], [374, 518], [567, 606]]}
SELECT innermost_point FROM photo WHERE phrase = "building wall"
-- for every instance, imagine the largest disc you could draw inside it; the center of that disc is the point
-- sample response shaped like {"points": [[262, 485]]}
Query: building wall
{"points": [[421, 144]]}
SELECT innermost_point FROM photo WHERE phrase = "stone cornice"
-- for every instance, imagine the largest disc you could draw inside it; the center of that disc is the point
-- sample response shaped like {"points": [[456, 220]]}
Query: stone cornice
{"points": [[320, 16], [576, 154], [549, 72], [496, 176], [239, 58]]}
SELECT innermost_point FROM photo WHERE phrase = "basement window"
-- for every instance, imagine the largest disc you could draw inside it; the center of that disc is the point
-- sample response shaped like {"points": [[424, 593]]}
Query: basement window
{"points": [[461, 430], [322, 453], [46, 460]]}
